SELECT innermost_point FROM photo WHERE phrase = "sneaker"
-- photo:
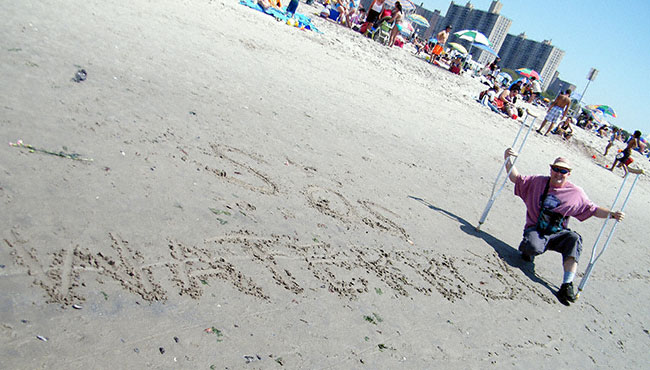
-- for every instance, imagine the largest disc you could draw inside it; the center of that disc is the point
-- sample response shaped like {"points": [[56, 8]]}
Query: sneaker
{"points": [[565, 294], [527, 257]]}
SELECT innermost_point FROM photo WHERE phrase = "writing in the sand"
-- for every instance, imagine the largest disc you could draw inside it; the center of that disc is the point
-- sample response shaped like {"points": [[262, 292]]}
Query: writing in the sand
{"points": [[265, 267]]}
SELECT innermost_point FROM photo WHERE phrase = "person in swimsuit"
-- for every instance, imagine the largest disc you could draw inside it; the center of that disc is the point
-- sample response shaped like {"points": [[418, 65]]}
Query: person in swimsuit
{"points": [[627, 152], [397, 17]]}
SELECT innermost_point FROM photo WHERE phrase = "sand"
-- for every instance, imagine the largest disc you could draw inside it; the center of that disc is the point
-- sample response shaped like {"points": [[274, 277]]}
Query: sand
{"points": [[265, 197]]}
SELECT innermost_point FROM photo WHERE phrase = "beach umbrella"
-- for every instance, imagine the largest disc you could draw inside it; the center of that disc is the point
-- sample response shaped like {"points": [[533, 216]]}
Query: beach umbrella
{"points": [[486, 48], [527, 72], [458, 47], [606, 109], [599, 117], [418, 20], [473, 36]]}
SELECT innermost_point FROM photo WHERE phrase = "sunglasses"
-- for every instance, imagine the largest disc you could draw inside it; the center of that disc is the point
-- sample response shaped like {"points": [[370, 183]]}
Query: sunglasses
{"points": [[563, 171]]}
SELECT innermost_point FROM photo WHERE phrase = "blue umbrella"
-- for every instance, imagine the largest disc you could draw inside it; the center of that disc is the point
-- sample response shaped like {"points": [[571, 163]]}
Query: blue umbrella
{"points": [[486, 48]]}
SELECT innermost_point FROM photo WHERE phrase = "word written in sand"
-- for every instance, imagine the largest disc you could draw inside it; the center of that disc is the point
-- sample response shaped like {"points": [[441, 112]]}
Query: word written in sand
{"points": [[233, 167], [257, 266]]}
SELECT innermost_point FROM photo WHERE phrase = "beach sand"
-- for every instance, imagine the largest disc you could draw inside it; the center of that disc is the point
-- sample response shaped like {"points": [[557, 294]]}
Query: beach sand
{"points": [[265, 197]]}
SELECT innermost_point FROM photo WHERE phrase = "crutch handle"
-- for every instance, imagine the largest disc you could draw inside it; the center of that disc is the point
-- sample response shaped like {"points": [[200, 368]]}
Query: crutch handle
{"points": [[530, 114]]}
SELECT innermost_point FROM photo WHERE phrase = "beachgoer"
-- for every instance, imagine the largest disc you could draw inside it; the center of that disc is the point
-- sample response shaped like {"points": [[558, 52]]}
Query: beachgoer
{"points": [[488, 95], [550, 202], [536, 89], [602, 130], [441, 38], [506, 101], [616, 135], [376, 7], [493, 69], [397, 17], [627, 152], [565, 129], [556, 111]]}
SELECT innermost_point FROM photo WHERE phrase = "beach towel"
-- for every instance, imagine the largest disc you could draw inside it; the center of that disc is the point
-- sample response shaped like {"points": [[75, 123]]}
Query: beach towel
{"points": [[281, 15]]}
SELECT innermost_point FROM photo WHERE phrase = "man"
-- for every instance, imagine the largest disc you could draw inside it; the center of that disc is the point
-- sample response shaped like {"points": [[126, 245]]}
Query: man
{"points": [[557, 111], [550, 201], [441, 37], [536, 89], [624, 159]]}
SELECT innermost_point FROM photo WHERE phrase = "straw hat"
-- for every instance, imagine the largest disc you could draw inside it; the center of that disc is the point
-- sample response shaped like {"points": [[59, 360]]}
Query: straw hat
{"points": [[562, 163]]}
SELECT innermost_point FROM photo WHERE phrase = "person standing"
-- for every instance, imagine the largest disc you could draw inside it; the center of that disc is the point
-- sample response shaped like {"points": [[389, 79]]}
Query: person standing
{"points": [[616, 135], [441, 38], [397, 17], [536, 89], [550, 202], [557, 111], [376, 8]]}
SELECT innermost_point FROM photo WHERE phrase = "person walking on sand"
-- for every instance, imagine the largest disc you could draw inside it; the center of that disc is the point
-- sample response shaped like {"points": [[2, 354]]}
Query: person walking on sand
{"points": [[623, 158], [556, 111], [616, 135], [550, 202]]}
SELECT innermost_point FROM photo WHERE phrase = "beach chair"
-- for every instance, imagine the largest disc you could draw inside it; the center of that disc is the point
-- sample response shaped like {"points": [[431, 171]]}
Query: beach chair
{"points": [[382, 33]]}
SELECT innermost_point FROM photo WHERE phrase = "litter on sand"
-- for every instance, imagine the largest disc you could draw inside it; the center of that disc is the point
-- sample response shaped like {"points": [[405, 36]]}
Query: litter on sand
{"points": [[32, 149]]}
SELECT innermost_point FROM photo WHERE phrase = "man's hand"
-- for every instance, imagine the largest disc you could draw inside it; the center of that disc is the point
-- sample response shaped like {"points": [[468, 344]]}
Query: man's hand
{"points": [[509, 153], [618, 215]]}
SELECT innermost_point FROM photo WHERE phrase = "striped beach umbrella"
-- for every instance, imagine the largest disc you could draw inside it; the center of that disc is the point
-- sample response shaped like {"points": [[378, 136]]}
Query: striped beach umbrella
{"points": [[606, 109], [418, 20], [527, 72], [473, 36], [458, 47]]}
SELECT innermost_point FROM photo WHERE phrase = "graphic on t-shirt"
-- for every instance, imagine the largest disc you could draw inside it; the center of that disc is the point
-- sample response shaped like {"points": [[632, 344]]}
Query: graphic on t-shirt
{"points": [[551, 202]]}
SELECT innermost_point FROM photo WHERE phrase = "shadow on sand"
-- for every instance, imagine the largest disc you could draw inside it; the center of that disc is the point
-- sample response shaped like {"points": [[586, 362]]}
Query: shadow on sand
{"points": [[510, 255]]}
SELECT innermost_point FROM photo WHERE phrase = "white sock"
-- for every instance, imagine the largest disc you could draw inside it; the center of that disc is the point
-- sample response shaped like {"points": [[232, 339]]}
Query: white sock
{"points": [[568, 277]]}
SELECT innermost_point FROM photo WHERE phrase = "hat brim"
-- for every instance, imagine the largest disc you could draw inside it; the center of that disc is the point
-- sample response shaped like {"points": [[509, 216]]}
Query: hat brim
{"points": [[561, 165]]}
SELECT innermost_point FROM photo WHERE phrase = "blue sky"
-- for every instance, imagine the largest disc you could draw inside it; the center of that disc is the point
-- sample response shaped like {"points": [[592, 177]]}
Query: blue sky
{"points": [[611, 36]]}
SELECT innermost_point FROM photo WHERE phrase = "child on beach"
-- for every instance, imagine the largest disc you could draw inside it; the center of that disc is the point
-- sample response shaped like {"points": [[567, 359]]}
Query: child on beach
{"points": [[633, 143]]}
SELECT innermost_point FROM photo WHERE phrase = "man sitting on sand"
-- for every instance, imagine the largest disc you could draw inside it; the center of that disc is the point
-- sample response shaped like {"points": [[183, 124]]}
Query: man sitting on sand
{"points": [[556, 111], [550, 201], [624, 157]]}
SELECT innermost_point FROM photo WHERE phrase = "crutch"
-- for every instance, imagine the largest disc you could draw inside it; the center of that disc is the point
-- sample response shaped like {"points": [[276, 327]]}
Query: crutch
{"points": [[594, 257], [495, 194]]}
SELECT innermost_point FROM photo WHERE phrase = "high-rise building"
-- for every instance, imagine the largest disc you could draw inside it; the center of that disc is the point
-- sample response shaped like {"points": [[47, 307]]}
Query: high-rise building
{"points": [[492, 24], [519, 52]]}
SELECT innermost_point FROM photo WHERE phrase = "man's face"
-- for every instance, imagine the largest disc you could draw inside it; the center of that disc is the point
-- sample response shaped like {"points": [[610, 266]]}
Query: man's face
{"points": [[448, 29], [558, 179]]}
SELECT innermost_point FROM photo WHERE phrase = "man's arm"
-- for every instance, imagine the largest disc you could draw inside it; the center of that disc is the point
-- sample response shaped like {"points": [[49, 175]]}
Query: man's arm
{"points": [[604, 213], [514, 174]]}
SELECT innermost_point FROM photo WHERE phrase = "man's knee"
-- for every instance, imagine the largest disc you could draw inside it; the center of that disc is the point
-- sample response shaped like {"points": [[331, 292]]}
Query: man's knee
{"points": [[532, 244]]}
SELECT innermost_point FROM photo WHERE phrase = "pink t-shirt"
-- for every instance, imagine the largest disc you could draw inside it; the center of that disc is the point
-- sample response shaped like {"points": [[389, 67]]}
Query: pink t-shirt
{"points": [[572, 199]]}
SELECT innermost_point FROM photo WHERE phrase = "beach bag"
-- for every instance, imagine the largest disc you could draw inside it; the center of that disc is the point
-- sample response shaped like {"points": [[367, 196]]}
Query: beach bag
{"points": [[549, 222], [364, 27], [437, 49]]}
